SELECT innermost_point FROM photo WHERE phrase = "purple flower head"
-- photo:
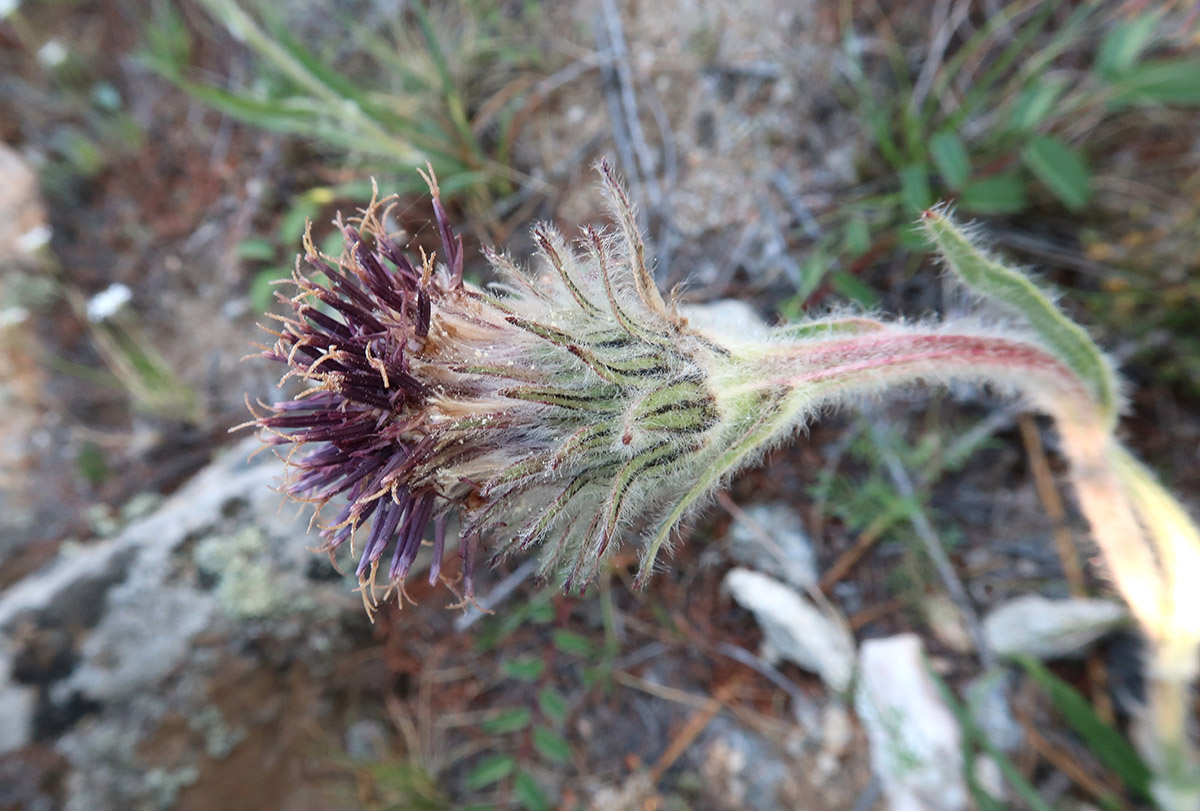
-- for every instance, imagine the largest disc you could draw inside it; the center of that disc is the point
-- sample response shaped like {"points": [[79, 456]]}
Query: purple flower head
{"points": [[549, 410]]}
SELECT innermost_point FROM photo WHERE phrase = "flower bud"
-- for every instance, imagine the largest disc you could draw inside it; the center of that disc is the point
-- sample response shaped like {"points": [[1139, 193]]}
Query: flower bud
{"points": [[555, 410]]}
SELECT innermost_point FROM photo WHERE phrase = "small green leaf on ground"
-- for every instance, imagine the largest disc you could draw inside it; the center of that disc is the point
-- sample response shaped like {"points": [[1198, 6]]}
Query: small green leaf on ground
{"points": [[489, 771], [573, 643], [509, 720], [262, 289], [950, 156], [856, 237], [1034, 104], [854, 288], [552, 705], [525, 668], [256, 250], [529, 794], [1061, 168], [551, 745], [1000, 194], [914, 189]]}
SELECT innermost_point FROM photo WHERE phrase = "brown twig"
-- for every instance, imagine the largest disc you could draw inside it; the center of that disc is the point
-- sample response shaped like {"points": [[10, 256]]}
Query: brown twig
{"points": [[1066, 763], [694, 727], [866, 539], [874, 612]]}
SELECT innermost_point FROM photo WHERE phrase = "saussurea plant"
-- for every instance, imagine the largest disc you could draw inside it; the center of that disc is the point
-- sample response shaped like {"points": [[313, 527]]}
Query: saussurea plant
{"points": [[572, 408]]}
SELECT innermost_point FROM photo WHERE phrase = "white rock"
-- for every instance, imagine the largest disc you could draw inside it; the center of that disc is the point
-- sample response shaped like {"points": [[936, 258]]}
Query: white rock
{"points": [[987, 701], [915, 740], [725, 318], [990, 778], [108, 302], [773, 539], [52, 54], [1050, 629], [795, 628], [17, 706]]}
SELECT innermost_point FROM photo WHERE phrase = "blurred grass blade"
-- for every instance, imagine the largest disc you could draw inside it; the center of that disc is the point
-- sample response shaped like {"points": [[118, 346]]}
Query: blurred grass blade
{"points": [[1164, 81], [243, 28], [1124, 44], [990, 278], [973, 734], [349, 91], [1106, 743], [1061, 168], [949, 154], [450, 94]]}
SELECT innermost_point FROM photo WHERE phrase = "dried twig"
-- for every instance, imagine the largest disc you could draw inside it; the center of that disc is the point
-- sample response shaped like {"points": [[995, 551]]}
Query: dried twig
{"points": [[496, 596]]}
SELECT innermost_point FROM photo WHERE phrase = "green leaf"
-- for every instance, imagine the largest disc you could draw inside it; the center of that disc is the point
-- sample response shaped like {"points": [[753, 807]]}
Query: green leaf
{"points": [[572, 643], [256, 250], [262, 291], [914, 189], [526, 668], [551, 745], [291, 227], [1034, 104], [853, 288], [1062, 336], [510, 720], [331, 244], [949, 154], [1106, 743], [910, 237], [92, 465], [1061, 168], [529, 794], [552, 704], [999, 194], [856, 238], [490, 770], [812, 272], [1164, 81], [1124, 43]]}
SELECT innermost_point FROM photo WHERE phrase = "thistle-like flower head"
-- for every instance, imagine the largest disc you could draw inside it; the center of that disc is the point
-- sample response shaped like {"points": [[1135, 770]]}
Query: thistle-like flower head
{"points": [[570, 406], [555, 409]]}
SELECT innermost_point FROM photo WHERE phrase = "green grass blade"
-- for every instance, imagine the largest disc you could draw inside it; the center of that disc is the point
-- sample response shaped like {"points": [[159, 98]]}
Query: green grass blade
{"points": [[1123, 45], [1163, 81], [973, 734], [1106, 743]]}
